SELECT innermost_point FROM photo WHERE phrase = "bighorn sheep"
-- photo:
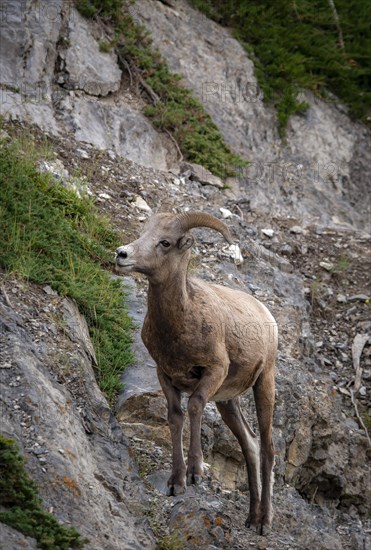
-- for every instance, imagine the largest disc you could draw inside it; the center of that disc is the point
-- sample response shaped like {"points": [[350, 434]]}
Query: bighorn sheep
{"points": [[211, 342]]}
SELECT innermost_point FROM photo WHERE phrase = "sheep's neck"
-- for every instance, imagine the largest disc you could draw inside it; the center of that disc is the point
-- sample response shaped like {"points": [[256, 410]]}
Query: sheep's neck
{"points": [[168, 300]]}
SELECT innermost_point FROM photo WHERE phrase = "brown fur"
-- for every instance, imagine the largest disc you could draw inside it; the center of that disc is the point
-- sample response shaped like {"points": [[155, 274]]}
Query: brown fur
{"points": [[211, 342]]}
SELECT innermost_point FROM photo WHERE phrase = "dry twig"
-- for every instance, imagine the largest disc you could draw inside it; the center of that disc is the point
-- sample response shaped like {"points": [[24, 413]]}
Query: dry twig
{"points": [[175, 143], [6, 297], [127, 67], [337, 22], [146, 87], [357, 348], [354, 402], [239, 211]]}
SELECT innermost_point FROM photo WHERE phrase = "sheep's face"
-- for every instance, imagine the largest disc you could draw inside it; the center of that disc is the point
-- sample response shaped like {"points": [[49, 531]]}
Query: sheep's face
{"points": [[159, 252]]}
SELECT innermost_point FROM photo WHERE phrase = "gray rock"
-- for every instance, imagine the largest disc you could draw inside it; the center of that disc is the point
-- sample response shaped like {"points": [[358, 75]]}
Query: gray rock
{"points": [[359, 298], [159, 480], [328, 266], [200, 523], [46, 44], [10, 539], [201, 174], [122, 129], [268, 232], [297, 230], [88, 68], [29, 33], [287, 250], [55, 168]]}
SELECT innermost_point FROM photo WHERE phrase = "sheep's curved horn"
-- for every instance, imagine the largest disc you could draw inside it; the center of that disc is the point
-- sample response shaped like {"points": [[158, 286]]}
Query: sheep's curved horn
{"points": [[202, 219]]}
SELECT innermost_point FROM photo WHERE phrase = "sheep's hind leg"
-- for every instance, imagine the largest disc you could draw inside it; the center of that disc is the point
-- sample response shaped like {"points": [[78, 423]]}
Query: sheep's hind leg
{"points": [[232, 415], [264, 401], [177, 481]]}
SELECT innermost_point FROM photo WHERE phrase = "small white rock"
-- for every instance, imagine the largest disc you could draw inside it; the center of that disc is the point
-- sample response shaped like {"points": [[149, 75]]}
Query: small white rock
{"points": [[141, 204], [268, 232], [225, 213], [56, 168], [328, 266], [104, 196], [297, 230], [82, 153], [235, 253]]}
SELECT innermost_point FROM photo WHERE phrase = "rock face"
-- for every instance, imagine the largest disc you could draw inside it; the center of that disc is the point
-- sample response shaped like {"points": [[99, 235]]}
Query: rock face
{"points": [[321, 173], [15, 540], [76, 451], [82, 65], [54, 75]]}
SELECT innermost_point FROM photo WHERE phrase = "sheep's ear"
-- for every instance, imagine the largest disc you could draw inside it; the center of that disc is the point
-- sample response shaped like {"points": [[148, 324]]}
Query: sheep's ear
{"points": [[185, 242]]}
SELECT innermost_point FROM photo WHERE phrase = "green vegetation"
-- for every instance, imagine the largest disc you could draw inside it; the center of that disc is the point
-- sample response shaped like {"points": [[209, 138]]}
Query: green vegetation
{"points": [[171, 542], [174, 109], [300, 45], [105, 47], [342, 265], [22, 507], [51, 236], [366, 417]]}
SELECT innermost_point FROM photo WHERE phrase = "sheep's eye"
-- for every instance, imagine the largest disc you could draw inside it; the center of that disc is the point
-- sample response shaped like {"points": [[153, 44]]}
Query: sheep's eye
{"points": [[165, 244]]}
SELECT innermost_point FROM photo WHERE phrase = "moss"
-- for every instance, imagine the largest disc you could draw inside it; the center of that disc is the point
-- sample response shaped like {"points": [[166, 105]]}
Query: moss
{"points": [[22, 507], [171, 542], [104, 46]]}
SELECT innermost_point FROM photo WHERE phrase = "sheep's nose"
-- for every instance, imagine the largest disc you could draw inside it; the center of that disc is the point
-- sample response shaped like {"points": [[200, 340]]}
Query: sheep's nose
{"points": [[121, 254]]}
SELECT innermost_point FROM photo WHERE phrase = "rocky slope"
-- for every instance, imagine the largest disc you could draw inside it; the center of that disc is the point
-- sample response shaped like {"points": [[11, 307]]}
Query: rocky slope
{"points": [[311, 272], [51, 405]]}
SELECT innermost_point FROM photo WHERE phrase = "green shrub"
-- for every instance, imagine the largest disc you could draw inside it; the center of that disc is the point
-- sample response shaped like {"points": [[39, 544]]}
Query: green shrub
{"points": [[22, 507], [295, 46]]}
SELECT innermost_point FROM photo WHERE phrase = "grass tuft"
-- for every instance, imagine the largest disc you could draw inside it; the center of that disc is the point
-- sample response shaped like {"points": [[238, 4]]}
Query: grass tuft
{"points": [[51, 236], [22, 508]]}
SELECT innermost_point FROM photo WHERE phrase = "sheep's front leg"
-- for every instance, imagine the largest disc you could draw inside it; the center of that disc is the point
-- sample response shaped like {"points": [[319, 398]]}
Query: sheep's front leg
{"points": [[207, 387], [177, 481]]}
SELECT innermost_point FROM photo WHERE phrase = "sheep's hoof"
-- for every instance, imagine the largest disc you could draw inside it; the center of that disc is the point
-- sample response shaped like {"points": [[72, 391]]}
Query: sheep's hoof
{"points": [[251, 524], [175, 490], [194, 479], [263, 530], [257, 526]]}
